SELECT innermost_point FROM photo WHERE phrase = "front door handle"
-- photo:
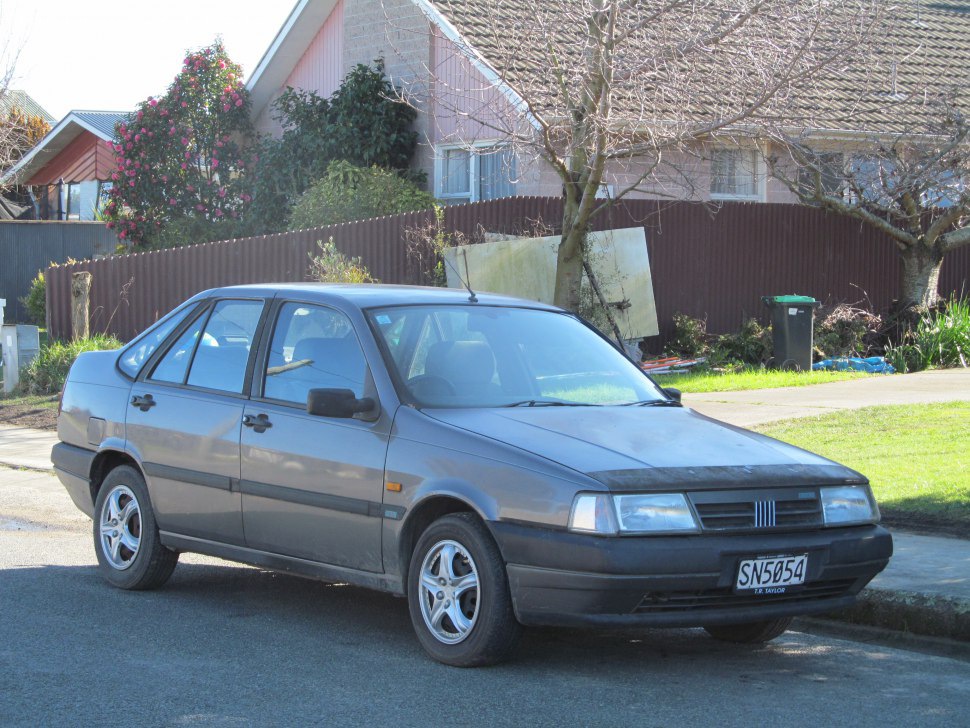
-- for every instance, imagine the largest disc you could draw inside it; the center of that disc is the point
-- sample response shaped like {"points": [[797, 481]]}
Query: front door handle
{"points": [[143, 402], [259, 423]]}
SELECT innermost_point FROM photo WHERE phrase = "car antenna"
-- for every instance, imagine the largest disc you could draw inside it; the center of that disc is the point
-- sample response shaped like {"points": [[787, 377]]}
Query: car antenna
{"points": [[471, 294]]}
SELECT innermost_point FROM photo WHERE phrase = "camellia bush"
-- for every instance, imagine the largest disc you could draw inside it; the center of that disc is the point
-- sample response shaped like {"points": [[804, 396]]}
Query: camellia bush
{"points": [[181, 159]]}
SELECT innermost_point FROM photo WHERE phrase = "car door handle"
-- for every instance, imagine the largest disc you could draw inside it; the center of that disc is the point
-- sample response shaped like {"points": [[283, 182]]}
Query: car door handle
{"points": [[259, 423], [143, 402]]}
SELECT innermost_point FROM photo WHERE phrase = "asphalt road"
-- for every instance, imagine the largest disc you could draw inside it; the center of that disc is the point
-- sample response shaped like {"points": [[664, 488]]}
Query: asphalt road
{"points": [[228, 645]]}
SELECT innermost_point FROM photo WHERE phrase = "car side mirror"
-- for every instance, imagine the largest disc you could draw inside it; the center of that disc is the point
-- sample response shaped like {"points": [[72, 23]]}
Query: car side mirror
{"points": [[337, 403], [673, 393]]}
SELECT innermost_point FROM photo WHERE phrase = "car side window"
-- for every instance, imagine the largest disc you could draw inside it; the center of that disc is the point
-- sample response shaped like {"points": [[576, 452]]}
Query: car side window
{"points": [[213, 351], [222, 355], [173, 366], [138, 353], [312, 347]]}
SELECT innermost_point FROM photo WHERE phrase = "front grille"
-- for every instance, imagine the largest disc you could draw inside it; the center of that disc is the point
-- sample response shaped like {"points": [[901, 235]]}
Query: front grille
{"points": [[709, 599], [751, 510]]}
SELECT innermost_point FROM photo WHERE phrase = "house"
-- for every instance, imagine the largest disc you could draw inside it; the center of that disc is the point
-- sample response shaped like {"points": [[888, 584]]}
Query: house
{"points": [[444, 54], [69, 171]]}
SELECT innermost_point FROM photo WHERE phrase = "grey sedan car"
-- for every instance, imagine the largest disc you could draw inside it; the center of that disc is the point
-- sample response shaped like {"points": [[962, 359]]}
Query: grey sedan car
{"points": [[496, 461]]}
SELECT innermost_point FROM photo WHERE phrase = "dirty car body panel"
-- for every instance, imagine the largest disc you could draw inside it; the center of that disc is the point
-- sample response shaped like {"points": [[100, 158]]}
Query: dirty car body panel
{"points": [[437, 407]]}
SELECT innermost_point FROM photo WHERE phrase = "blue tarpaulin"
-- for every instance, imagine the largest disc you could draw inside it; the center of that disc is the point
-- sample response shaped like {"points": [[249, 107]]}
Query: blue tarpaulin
{"points": [[873, 365]]}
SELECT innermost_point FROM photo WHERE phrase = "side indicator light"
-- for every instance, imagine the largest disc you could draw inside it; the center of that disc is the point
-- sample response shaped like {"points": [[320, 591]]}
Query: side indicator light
{"points": [[393, 487]]}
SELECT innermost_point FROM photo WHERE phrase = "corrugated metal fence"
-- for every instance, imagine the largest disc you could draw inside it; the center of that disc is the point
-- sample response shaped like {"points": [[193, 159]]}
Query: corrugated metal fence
{"points": [[705, 261], [27, 247]]}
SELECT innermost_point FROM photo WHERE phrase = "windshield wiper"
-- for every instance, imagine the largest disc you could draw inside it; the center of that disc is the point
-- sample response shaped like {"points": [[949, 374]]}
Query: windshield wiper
{"points": [[546, 403], [654, 403]]}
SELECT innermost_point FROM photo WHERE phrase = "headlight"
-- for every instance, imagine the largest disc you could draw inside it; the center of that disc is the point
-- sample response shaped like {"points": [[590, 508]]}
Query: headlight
{"points": [[642, 513], [660, 513], [848, 504]]}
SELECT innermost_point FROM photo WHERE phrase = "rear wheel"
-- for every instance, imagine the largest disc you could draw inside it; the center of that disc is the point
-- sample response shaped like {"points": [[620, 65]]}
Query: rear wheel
{"points": [[130, 553], [750, 632], [458, 594]]}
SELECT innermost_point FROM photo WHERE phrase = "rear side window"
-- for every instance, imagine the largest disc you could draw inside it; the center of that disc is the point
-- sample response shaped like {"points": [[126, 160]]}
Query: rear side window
{"points": [[213, 352], [135, 356]]}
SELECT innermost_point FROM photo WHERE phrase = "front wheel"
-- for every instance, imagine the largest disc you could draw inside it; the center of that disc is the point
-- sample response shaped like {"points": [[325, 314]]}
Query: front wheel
{"points": [[750, 632], [130, 553], [458, 594]]}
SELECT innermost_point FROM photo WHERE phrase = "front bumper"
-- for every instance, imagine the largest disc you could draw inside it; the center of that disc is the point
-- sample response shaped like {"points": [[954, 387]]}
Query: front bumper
{"points": [[566, 579]]}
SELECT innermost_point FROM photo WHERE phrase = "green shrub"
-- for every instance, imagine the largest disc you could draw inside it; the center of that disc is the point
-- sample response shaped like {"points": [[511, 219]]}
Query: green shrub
{"points": [[844, 330], [690, 339], [350, 193], [332, 266], [751, 345], [36, 300], [47, 372], [941, 338]]}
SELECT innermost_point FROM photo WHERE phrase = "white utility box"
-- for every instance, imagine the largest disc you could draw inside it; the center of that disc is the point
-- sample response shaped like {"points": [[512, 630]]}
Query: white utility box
{"points": [[20, 345]]}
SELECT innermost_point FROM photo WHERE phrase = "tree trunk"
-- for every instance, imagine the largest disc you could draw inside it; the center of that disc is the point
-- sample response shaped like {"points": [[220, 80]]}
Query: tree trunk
{"points": [[80, 304], [569, 263], [919, 277]]}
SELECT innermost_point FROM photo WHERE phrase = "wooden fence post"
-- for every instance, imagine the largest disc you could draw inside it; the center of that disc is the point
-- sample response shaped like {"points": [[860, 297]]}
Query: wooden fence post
{"points": [[80, 303]]}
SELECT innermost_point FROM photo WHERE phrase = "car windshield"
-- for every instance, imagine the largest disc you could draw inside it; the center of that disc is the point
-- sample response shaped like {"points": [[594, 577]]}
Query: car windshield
{"points": [[489, 356]]}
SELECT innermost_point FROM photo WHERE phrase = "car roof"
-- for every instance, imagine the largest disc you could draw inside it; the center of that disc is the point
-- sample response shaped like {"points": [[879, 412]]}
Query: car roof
{"points": [[372, 295]]}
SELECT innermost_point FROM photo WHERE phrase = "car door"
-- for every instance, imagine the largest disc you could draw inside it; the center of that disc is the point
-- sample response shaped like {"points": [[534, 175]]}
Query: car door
{"points": [[311, 485], [184, 419]]}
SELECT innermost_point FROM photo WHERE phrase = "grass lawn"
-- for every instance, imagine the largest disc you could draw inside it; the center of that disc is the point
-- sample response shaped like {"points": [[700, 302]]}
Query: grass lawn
{"points": [[38, 401], [917, 457], [708, 381]]}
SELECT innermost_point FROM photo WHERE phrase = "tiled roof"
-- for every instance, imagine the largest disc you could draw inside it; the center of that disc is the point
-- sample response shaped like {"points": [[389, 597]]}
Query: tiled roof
{"points": [[926, 56]]}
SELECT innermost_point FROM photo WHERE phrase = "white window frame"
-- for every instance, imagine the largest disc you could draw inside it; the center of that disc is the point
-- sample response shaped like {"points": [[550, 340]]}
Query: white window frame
{"points": [[760, 176], [474, 169]]}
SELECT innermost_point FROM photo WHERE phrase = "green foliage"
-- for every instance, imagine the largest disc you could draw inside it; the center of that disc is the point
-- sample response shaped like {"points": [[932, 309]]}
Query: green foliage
{"points": [[180, 156], [362, 123], [845, 331], [47, 372], [348, 193], [690, 339], [750, 345], [940, 338], [36, 300], [740, 378], [332, 266]]}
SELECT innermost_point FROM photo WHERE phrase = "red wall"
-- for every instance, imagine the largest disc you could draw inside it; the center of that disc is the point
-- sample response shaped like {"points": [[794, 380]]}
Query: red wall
{"points": [[85, 158]]}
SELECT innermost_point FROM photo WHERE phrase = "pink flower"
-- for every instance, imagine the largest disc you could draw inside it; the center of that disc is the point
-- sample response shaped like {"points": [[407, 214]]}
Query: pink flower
{"points": [[173, 201], [218, 213], [152, 102], [215, 162], [109, 144], [190, 188], [140, 115], [222, 192], [128, 162], [225, 107], [123, 234], [137, 137], [200, 207], [239, 102], [222, 64], [244, 197], [114, 176], [184, 165], [110, 225], [188, 155], [132, 183], [164, 178], [185, 141], [184, 105]]}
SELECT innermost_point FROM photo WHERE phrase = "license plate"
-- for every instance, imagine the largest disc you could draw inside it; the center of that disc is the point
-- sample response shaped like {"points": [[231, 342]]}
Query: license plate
{"points": [[771, 575]]}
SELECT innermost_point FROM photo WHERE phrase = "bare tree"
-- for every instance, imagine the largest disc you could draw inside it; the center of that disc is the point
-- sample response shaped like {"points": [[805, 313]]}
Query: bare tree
{"points": [[912, 186], [627, 92]]}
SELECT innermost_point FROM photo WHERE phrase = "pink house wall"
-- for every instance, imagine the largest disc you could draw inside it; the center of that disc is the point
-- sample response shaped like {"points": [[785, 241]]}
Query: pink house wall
{"points": [[319, 70]]}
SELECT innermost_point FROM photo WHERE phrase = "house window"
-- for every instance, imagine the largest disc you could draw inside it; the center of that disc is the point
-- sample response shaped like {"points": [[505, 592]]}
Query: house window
{"points": [[104, 197], [831, 169], [481, 172], [734, 174], [73, 206]]}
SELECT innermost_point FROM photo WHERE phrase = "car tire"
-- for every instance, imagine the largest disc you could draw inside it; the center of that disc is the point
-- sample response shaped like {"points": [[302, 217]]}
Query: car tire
{"points": [[458, 594], [750, 632], [130, 553]]}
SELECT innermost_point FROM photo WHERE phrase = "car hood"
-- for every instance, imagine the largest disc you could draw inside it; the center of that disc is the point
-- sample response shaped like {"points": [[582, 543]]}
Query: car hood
{"points": [[628, 448]]}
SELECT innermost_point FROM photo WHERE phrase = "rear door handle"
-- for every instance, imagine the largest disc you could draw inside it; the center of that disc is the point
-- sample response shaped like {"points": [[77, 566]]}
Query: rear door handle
{"points": [[259, 423], [143, 402]]}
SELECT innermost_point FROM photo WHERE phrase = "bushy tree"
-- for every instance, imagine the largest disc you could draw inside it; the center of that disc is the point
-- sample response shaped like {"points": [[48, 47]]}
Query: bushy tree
{"points": [[181, 156], [347, 193], [363, 123]]}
